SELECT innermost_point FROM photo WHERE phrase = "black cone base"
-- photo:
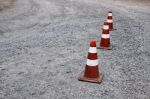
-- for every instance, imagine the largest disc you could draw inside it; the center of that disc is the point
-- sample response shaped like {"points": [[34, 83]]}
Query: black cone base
{"points": [[112, 29], [107, 48]]}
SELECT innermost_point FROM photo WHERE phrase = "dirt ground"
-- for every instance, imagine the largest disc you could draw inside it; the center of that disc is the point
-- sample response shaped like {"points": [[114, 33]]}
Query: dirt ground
{"points": [[44, 45], [4, 4]]}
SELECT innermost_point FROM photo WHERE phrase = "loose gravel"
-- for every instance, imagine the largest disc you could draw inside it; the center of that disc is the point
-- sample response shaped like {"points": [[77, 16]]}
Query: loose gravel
{"points": [[44, 45]]}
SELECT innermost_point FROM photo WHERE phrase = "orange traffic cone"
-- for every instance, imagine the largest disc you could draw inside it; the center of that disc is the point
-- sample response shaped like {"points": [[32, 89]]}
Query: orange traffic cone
{"points": [[110, 21], [91, 73], [105, 39]]}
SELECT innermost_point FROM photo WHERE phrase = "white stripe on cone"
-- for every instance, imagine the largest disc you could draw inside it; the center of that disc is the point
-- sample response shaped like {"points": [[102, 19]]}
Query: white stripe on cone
{"points": [[92, 50], [109, 20], [106, 27], [92, 62], [106, 36], [109, 14]]}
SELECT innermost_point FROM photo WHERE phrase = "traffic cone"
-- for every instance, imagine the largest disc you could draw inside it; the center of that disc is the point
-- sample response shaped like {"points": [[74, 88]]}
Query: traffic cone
{"points": [[105, 39], [105, 26], [110, 21], [91, 73], [110, 14]]}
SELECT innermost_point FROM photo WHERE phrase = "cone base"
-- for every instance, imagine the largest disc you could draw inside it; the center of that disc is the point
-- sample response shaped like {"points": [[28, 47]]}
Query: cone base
{"points": [[106, 48], [112, 29], [92, 80]]}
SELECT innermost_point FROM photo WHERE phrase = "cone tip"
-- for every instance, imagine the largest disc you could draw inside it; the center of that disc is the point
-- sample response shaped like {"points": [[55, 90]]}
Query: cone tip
{"points": [[93, 43], [109, 11]]}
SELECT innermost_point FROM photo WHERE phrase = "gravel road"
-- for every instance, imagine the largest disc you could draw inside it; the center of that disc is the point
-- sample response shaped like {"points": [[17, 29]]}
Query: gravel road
{"points": [[44, 44]]}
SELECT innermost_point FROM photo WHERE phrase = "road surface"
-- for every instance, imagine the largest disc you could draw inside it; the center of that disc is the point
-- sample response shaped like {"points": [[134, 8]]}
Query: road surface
{"points": [[44, 44]]}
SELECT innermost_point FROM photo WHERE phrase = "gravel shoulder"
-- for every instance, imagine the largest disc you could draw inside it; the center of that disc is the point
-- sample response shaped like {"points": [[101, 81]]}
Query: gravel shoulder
{"points": [[44, 44]]}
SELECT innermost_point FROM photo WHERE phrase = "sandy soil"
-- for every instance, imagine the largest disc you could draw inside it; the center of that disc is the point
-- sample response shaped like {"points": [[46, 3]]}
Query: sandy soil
{"points": [[44, 44]]}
